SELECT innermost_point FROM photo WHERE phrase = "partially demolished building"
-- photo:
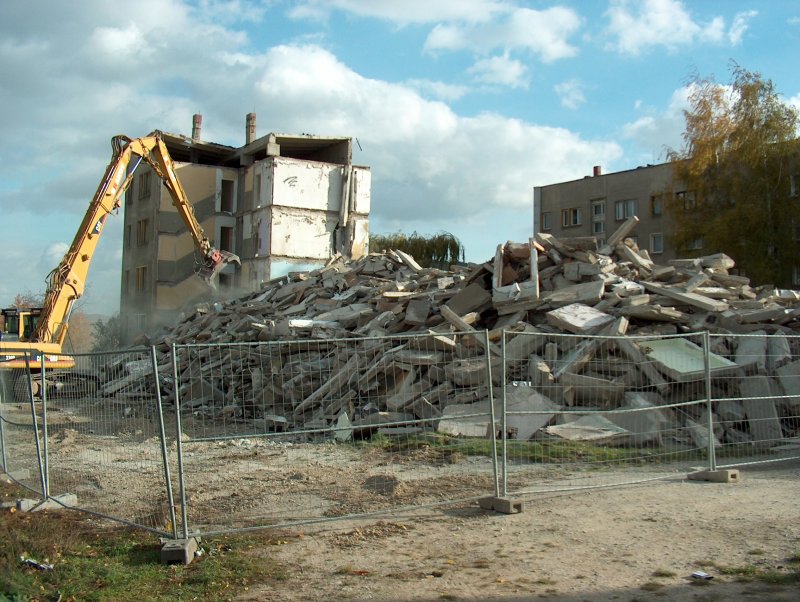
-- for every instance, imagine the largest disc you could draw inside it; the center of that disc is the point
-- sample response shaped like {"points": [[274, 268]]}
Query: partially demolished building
{"points": [[281, 202]]}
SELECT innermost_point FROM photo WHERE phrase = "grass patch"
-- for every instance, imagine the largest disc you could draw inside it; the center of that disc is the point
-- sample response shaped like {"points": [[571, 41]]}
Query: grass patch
{"points": [[663, 573], [748, 573], [446, 448], [652, 586], [92, 561]]}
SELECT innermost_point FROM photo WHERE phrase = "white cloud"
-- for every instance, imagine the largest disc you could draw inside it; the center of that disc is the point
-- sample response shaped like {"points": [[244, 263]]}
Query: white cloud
{"points": [[571, 93], [739, 26], [500, 70], [429, 164], [403, 11], [655, 131], [636, 25], [438, 90], [545, 33]]}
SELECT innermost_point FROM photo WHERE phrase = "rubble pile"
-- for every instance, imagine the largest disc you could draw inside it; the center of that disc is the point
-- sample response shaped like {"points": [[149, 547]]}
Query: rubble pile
{"points": [[546, 286]]}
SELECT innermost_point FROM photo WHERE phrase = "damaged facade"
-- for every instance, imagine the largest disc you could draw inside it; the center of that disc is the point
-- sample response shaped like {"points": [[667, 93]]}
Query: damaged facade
{"points": [[283, 203]]}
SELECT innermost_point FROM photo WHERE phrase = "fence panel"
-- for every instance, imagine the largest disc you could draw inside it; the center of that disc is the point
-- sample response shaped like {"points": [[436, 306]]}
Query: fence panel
{"points": [[292, 431], [104, 439], [20, 421], [756, 411], [595, 411]]}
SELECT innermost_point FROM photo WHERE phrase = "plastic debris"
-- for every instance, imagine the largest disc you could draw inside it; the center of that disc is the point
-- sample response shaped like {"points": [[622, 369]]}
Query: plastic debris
{"points": [[42, 566], [701, 575]]}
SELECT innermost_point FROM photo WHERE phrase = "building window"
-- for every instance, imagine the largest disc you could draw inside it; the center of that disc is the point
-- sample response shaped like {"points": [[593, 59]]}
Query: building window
{"points": [[142, 228], [226, 196], [128, 230], [257, 192], [657, 243], [656, 205], [546, 222], [126, 281], [226, 239], [624, 209], [794, 185], [598, 217], [695, 244], [141, 278], [129, 195], [795, 231], [571, 217], [144, 185], [139, 321], [686, 200]]}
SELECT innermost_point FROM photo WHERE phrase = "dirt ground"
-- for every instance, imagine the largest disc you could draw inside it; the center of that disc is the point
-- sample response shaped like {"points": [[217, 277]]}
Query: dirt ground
{"points": [[629, 543]]}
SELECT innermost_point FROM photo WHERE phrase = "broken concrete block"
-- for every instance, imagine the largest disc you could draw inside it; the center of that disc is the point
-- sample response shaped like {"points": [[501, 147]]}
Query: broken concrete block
{"points": [[417, 312], [466, 420], [751, 353], [701, 437], [471, 298], [778, 352], [578, 318], [789, 379], [527, 411], [591, 427], [730, 411], [644, 421], [759, 405]]}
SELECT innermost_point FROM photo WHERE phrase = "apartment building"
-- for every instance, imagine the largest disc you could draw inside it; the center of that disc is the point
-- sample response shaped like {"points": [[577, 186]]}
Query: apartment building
{"points": [[596, 205], [283, 203]]}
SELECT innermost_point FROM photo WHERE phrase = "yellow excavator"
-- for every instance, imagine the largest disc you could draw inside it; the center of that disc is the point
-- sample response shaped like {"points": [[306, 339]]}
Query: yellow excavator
{"points": [[31, 337]]}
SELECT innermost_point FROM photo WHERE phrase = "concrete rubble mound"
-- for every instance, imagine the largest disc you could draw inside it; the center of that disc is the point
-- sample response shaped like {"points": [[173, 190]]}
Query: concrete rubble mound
{"points": [[547, 287]]}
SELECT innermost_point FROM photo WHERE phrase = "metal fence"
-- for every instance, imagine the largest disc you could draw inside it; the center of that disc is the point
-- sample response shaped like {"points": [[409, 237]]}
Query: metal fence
{"points": [[284, 432]]}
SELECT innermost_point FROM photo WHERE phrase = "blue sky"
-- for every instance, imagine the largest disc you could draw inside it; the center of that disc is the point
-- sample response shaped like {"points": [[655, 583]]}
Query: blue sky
{"points": [[460, 107]]}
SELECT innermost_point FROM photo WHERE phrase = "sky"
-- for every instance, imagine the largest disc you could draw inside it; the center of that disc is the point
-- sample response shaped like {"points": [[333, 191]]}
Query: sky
{"points": [[459, 107]]}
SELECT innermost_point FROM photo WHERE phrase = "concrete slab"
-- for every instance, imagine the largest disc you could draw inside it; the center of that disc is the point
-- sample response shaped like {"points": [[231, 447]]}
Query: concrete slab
{"points": [[759, 405], [180, 551], [578, 318], [503, 505], [55, 503], [715, 476]]}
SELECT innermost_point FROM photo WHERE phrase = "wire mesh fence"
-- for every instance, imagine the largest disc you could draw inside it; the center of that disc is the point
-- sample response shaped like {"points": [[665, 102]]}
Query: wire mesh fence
{"points": [[20, 446], [101, 438], [756, 410], [595, 411], [209, 438], [291, 431]]}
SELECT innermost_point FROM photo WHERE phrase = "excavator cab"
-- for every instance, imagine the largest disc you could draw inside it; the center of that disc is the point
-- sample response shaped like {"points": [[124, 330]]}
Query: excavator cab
{"points": [[20, 324]]}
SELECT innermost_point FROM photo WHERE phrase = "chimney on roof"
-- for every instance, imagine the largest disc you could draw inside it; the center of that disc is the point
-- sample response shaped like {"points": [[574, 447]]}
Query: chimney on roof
{"points": [[197, 125], [597, 171], [250, 130]]}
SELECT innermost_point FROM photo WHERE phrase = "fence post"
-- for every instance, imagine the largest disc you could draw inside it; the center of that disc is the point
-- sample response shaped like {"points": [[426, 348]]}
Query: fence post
{"points": [[163, 435], [35, 424], [492, 418], [712, 452], [5, 376], [46, 463], [178, 443], [504, 410]]}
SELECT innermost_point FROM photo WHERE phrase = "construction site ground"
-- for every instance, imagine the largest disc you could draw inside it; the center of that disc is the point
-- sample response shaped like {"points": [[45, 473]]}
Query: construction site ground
{"points": [[639, 542]]}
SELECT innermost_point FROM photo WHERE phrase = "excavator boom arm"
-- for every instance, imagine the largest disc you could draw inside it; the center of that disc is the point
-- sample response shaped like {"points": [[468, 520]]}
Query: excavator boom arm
{"points": [[66, 283]]}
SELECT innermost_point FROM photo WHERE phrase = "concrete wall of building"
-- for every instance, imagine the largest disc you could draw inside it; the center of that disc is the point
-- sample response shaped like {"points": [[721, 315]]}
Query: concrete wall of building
{"points": [[647, 189]]}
